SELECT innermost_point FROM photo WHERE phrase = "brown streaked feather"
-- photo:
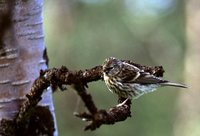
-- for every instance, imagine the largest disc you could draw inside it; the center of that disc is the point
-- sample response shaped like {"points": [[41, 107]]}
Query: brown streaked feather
{"points": [[128, 73], [146, 78], [157, 71], [132, 74]]}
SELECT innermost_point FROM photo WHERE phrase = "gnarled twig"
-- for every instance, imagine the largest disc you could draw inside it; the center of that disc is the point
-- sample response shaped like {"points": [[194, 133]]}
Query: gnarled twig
{"points": [[58, 77]]}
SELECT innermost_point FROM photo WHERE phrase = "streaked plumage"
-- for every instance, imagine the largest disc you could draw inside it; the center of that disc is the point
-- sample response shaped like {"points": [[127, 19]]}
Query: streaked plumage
{"points": [[131, 80]]}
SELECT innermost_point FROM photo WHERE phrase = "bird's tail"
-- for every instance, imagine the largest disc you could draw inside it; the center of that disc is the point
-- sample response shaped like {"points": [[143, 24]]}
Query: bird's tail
{"points": [[174, 84]]}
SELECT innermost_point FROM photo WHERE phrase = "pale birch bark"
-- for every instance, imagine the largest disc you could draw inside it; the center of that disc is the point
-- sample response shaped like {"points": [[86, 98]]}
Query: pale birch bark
{"points": [[22, 57], [188, 118]]}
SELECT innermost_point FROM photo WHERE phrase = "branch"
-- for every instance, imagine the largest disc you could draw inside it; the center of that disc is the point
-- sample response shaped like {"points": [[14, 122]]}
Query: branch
{"points": [[79, 79], [115, 114]]}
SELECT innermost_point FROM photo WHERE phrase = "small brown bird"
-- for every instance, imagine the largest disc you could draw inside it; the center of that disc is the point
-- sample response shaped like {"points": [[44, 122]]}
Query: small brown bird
{"points": [[131, 80]]}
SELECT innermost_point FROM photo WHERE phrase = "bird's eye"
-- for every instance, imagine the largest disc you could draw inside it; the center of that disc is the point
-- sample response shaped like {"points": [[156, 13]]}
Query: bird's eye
{"points": [[110, 68]]}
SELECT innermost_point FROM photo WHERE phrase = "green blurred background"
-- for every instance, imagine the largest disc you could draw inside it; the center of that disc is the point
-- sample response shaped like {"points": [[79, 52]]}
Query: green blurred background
{"points": [[82, 33]]}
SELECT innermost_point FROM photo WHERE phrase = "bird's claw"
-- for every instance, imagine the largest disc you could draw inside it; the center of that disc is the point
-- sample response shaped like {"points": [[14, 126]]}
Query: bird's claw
{"points": [[121, 104]]}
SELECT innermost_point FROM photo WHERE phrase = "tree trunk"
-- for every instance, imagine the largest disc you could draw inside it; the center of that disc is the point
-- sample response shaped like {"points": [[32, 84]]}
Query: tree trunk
{"points": [[22, 55], [188, 120]]}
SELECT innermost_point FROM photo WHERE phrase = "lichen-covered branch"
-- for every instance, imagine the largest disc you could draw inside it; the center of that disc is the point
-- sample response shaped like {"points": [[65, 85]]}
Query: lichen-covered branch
{"points": [[79, 79]]}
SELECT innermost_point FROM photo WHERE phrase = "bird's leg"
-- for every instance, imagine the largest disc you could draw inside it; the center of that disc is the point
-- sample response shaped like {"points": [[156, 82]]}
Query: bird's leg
{"points": [[120, 104]]}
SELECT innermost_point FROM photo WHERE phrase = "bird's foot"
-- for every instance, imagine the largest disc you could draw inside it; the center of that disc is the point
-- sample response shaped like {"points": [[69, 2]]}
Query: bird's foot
{"points": [[120, 104]]}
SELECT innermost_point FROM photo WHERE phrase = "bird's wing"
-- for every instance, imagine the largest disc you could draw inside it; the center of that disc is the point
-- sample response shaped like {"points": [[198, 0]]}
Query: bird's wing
{"points": [[157, 71], [133, 74], [146, 78], [129, 73]]}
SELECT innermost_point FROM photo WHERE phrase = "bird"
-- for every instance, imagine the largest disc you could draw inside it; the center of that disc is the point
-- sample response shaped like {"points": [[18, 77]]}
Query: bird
{"points": [[130, 80]]}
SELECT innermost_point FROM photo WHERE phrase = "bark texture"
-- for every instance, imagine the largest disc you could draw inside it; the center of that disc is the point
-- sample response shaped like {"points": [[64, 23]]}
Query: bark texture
{"points": [[22, 55]]}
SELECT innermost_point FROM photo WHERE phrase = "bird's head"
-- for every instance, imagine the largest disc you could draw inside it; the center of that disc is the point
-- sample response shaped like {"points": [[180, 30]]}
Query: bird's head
{"points": [[112, 66]]}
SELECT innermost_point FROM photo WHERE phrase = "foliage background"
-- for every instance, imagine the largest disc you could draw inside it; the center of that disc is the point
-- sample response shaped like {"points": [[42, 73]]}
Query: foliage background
{"points": [[82, 33]]}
